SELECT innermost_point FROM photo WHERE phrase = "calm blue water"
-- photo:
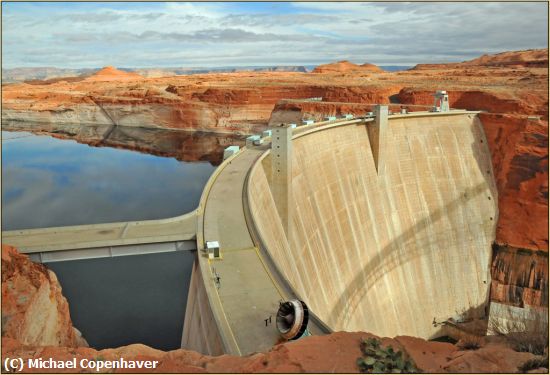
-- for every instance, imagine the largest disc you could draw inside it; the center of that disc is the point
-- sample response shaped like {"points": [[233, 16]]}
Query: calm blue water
{"points": [[50, 182]]}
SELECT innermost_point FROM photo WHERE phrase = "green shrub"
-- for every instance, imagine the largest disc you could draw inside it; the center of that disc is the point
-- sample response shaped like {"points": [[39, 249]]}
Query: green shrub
{"points": [[534, 363], [535, 343], [470, 342], [534, 340], [378, 359]]}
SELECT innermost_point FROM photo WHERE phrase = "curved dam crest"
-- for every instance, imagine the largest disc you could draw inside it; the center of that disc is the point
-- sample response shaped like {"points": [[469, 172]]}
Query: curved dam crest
{"points": [[392, 252]]}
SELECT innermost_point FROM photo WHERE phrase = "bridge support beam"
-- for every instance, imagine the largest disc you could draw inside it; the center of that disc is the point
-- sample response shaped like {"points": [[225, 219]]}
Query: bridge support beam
{"points": [[377, 136], [281, 172]]}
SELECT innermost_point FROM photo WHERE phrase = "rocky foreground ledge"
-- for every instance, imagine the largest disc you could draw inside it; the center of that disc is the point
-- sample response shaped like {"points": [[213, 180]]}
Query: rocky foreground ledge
{"points": [[36, 326]]}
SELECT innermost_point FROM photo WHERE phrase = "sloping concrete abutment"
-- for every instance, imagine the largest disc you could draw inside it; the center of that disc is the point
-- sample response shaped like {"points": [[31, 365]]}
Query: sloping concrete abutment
{"points": [[389, 230]]}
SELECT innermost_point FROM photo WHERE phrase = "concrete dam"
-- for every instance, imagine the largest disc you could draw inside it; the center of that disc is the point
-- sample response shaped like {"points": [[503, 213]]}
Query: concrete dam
{"points": [[388, 250], [381, 224]]}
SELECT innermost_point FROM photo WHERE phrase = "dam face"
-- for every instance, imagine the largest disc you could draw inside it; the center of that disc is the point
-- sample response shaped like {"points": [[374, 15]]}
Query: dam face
{"points": [[394, 251]]}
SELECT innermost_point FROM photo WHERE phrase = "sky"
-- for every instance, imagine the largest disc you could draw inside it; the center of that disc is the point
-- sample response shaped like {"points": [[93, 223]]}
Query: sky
{"points": [[218, 34]]}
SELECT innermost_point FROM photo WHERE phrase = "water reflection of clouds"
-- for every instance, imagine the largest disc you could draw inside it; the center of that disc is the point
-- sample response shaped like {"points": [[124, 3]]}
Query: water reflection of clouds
{"points": [[49, 182]]}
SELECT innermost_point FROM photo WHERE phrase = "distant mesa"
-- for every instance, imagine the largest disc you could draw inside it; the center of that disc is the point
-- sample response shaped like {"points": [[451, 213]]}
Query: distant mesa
{"points": [[110, 73], [532, 58], [345, 66], [529, 58], [372, 67], [337, 67], [49, 75]]}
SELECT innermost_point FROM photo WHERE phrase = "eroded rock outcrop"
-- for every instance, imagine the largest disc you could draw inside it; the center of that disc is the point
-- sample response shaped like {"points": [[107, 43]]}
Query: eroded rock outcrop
{"points": [[519, 102], [244, 101], [110, 73], [519, 151], [34, 311], [335, 353], [519, 277], [515, 59]]}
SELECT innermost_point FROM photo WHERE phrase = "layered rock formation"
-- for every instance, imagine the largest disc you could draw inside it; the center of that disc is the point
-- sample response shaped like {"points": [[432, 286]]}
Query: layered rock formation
{"points": [[110, 73], [519, 277], [49, 74], [34, 312], [513, 59], [519, 150]]}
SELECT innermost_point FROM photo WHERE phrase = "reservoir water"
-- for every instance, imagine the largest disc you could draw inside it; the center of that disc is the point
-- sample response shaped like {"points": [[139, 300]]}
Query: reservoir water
{"points": [[49, 182], [57, 182]]}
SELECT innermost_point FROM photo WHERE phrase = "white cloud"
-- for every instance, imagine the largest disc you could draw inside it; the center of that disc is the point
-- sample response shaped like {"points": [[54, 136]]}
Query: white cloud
{"points": [[185, 34]]}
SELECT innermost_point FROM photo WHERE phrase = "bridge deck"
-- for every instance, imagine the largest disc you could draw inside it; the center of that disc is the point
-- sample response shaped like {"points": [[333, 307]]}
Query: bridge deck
{"points": [[42, 240]]}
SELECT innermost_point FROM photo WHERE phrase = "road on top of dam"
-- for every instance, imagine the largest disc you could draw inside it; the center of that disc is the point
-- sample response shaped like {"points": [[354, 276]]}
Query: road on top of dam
{"points": [[249, 288], [248, 291]]}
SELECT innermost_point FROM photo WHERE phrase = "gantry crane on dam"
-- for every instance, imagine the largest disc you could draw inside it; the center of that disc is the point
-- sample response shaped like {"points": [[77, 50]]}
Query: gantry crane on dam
{"points": [[382, 223]]}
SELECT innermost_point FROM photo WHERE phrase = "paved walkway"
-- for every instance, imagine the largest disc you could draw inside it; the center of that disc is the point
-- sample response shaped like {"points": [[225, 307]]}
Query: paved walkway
{"points": [[247, 293]]}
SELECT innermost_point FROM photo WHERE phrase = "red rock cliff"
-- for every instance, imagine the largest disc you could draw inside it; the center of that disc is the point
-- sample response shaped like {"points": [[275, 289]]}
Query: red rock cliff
{"points": [[346, 67], [34, 312]]}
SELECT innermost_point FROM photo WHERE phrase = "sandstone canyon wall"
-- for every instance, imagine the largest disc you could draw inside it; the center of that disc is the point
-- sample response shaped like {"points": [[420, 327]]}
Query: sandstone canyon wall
{"points": [[34, 311]]}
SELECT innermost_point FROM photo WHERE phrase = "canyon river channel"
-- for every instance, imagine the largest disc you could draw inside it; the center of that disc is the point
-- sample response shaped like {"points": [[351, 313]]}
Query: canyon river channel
{"points": [[49, 182]]}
